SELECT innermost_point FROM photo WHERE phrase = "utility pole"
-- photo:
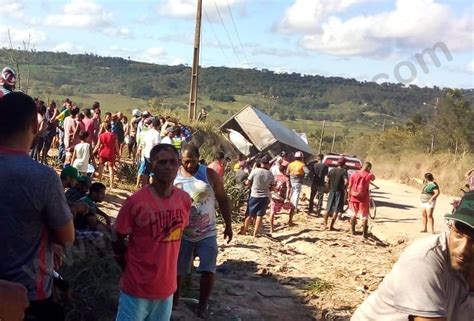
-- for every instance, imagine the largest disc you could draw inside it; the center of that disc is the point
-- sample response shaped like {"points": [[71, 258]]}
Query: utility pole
{"points": [[195, 67], [383, 125], [434, 126], [321, 138], [333, 141]]}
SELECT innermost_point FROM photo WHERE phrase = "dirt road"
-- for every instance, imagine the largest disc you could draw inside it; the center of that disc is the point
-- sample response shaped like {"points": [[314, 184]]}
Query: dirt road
{"points": [[304, 272], [399, 214]]}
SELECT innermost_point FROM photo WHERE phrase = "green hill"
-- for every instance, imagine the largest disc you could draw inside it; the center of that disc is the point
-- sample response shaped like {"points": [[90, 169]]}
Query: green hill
{"points": [[351, 109]]}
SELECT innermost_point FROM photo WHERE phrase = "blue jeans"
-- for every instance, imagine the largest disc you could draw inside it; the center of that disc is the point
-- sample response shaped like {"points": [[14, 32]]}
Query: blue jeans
{"points": [[136, 309], [61, 148]]}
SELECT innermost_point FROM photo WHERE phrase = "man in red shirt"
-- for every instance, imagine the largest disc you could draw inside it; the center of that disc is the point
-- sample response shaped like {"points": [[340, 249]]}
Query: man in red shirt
{"points": [[153, 219], [359, 184]]}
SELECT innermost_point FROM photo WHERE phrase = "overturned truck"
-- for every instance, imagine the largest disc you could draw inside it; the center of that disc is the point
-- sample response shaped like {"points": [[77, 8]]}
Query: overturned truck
{"points": [[253, 132]]}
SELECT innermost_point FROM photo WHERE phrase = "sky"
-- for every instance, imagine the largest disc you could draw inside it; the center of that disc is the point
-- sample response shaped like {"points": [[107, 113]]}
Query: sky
{"points": [[419, 42]]}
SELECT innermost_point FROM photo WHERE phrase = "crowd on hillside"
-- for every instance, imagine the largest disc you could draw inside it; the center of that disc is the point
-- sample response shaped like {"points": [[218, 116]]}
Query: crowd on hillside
{"points": [[171, 218]]}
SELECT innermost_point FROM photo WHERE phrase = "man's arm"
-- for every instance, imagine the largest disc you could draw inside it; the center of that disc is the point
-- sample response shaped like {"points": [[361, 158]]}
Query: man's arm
{"points": [[65, 234], [119, 247], [223, 201], [105, 216], [13, 301], [427, 319]]}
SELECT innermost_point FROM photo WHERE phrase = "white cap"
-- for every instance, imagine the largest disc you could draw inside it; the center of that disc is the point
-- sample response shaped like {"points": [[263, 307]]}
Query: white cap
{"points": [[298, 154], [136, 113]]}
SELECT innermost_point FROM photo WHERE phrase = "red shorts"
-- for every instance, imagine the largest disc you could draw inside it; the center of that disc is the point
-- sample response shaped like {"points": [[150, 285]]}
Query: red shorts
{"points": [[360, 208], [275, 206], [103, 160]]}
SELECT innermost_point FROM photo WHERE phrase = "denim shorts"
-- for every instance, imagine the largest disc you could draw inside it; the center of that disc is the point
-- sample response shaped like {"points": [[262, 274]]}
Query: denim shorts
{"points": [[258, 206], [206, 249], [137, 309]]}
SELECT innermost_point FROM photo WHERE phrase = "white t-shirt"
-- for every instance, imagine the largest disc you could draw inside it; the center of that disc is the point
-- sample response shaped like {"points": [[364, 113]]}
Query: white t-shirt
{"points": [[82, 157], [166, 140], [421, 283], [151, 139]]}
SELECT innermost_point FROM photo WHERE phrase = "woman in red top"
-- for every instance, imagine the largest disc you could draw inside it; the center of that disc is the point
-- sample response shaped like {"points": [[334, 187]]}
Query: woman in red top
{"points": [[108, 149]]}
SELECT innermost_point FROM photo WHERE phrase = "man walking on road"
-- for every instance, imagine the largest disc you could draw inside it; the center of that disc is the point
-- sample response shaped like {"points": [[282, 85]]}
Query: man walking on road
{"points": [[320, 172], [337, 192], [433, 279], [205, 186], [359, 197]]}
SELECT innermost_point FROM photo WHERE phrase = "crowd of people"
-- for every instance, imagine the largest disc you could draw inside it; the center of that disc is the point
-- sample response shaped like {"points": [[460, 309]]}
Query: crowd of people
{"points": [[171, 219]]}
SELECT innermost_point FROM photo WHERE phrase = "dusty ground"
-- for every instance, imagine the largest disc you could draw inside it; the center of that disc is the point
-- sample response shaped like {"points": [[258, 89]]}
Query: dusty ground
{"points": [[304, 272]]}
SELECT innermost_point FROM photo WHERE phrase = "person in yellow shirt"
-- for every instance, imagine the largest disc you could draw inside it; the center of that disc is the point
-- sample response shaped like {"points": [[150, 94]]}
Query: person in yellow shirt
{"points": [[296, 171]]}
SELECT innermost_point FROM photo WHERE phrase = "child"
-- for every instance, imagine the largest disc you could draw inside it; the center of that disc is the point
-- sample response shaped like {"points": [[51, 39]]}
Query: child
{"points": [[82, 154]]}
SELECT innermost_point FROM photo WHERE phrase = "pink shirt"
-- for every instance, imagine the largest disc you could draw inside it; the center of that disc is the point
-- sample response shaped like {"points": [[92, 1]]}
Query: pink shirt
{"points": [[155, 226], [89, 128]]}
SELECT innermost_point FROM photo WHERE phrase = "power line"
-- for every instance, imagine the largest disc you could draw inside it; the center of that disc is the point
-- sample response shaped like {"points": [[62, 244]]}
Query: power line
{"points": [[225, 29], [236, 32], [215, 35]]}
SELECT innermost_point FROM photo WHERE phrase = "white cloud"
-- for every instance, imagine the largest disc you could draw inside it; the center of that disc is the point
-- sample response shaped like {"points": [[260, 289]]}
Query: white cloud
{"points": [[307, 15], [470, 67], [187, 8], [411, 26], [20, 37], [81, 14], [68, 47], [154, 55], [118, 32], [13, 11], [9, 7]]}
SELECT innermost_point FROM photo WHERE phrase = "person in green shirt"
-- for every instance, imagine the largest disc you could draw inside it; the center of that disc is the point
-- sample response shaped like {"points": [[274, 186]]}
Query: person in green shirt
{"points": [[429, 194]]}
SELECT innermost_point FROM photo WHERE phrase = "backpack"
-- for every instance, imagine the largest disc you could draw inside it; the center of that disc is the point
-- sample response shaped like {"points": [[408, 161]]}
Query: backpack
{"points": [[359, 189]]}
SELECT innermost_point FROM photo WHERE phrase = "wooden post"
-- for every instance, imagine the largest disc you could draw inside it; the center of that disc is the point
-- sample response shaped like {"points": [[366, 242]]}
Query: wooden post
{"points": [[321, 138], [195, 67], [333, 141]]}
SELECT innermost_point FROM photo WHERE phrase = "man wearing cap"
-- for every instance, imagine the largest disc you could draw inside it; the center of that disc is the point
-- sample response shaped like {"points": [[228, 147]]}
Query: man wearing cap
{"points": [[430, 280], [296, 171], [69, 176]]}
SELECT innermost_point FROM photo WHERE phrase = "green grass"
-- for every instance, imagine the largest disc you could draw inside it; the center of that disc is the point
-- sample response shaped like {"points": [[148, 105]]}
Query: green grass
{"points": [[319, 286]]}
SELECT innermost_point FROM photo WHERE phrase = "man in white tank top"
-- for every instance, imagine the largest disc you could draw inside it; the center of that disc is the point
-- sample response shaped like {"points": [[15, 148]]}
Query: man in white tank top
{"points": [[204, 186]]}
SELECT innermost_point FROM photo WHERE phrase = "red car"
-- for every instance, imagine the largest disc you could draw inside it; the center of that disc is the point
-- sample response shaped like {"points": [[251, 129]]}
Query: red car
{"points": [[352, 162]]}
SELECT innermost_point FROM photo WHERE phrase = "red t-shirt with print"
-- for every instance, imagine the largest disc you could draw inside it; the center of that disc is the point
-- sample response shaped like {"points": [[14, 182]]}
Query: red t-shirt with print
{"points": [[154, 225]]}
